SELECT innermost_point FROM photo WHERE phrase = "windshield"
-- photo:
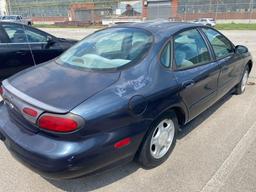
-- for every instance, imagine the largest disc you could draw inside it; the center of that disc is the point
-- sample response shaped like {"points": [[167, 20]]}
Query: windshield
{"points": [[109, 49], [9, 18]]}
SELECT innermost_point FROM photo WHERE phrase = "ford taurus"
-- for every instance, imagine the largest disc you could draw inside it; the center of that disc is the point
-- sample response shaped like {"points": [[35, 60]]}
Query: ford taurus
{"points": [[120, 94]]}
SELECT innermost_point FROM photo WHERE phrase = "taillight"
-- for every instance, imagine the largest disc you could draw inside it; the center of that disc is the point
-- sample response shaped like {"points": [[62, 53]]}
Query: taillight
{"points": [[29, 111], [59, 123]]}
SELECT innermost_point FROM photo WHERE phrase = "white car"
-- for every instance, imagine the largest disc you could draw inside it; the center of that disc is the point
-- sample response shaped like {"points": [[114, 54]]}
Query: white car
{"points": [[206, 21], [16, 19]]}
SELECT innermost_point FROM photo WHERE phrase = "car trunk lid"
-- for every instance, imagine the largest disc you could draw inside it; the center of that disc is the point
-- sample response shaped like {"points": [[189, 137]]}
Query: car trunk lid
{"points": [[56, 88]]}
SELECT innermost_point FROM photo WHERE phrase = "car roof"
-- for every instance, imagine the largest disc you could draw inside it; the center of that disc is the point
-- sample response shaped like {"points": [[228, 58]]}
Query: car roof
{"points": [[11, 15], [8, 22], [22, 24], [163, 28]]}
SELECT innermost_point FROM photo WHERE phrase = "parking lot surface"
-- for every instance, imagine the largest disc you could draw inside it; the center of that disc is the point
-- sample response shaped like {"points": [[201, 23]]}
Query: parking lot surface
{"points": [[215, 152]]}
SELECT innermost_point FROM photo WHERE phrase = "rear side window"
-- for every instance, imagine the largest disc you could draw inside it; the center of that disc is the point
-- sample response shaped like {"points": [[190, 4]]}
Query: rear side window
{"points": [[166, 56], [15, 33], [190, 49], [19, 34], [221, 45]]}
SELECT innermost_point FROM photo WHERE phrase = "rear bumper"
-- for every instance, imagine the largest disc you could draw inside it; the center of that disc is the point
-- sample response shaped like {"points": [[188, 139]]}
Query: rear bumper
{"points": [[57, 159]]}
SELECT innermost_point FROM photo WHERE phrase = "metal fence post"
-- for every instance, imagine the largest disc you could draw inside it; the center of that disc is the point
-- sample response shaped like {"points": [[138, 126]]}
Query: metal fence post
{"points": [[216, 10], [251, 10]]}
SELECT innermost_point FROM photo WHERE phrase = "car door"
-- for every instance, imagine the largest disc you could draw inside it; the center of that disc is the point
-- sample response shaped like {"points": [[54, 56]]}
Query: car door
{"points": [[18, 55], [225, 55], [3, 54], [44, 46], [195, 71]]}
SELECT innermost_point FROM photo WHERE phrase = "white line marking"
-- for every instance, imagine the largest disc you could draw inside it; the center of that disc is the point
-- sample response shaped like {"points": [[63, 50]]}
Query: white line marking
{"points": [[222, 174]]}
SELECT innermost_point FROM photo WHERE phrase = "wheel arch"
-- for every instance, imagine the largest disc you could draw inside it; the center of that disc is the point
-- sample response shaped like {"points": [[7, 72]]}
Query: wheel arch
{"points": [[249, 63], [181, 115], [180, 112]]}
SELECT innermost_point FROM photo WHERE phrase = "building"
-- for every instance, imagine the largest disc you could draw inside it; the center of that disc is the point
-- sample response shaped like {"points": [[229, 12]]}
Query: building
{"points": [[3, 7], [54, 8], [50, 11], [165, 9], [193, 9], [85, 10], [72, 10]]}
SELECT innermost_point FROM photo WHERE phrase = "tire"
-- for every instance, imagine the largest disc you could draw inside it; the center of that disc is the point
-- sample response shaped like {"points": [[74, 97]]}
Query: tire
{"points": [[149, 155], [240, 88]]}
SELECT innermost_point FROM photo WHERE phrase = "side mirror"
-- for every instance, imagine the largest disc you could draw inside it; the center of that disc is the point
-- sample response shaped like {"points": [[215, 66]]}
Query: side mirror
{"points": [[50, 41], [241, 49]]}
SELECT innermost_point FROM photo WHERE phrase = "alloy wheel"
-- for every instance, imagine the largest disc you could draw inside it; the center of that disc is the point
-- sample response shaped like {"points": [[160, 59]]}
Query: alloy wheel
{"points": [[162, 138]]}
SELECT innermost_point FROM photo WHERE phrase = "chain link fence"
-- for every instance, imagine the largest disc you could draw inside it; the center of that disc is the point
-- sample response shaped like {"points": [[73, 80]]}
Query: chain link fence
{"points": [[222, 12], [244, 12]]}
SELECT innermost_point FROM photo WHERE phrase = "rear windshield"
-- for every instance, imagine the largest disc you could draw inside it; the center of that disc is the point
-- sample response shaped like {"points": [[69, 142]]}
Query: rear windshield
{"points": [[108, 49]]}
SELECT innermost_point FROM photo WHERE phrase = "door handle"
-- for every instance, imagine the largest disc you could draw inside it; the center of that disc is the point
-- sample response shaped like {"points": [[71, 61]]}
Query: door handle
{"points": [[188, 84], [21, 52]]}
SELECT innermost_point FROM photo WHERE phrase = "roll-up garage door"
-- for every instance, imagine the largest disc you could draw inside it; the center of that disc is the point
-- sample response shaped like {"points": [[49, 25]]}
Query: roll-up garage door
{"points": [[159, 9], [83, 15]]}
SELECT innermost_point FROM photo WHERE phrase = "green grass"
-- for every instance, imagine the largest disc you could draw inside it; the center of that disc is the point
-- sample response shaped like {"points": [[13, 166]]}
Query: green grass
{"points": [[236, 26]]}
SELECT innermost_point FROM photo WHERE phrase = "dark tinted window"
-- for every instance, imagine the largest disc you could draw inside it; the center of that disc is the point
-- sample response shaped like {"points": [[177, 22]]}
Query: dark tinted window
{"points": [[15, 33], [20, 34], [221, 45], [35, 36], [190, 49]]}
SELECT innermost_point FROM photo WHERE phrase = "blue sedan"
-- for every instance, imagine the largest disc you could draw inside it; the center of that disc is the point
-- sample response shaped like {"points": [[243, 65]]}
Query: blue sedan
{"points": [[120, 94]]}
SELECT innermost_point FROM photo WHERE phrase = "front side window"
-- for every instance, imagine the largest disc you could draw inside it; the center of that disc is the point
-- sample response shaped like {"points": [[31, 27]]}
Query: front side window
{"points": [[108, 49], [20, 34], [190, 49], [34, 36], [221, 45]]}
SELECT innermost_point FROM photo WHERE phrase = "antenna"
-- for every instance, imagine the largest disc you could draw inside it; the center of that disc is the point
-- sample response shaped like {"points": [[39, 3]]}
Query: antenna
{"points": [[33, 57]]}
